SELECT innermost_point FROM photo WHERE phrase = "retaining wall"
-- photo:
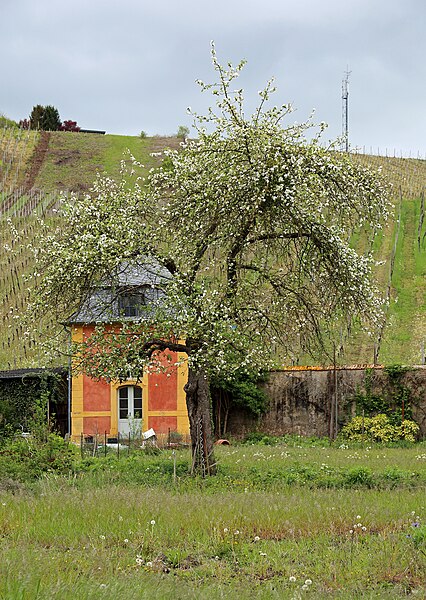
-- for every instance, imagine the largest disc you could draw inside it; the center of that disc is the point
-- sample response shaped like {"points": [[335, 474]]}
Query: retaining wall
{"points": [[303, 401]]}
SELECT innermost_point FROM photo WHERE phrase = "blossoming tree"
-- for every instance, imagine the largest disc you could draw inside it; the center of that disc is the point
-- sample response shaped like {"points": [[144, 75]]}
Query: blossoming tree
{"points": [[252, 220]]}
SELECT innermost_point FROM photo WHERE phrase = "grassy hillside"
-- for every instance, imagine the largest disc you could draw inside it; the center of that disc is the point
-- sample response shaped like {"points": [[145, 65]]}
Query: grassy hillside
{"points": [[36, 168]]}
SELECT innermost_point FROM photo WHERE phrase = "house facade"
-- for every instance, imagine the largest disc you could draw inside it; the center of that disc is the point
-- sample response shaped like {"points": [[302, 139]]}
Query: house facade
{"points": [[126, 408]]}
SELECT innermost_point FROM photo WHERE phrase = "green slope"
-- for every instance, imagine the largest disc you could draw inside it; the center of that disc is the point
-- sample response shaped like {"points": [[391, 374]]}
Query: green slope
{"points": [[71, 161]]}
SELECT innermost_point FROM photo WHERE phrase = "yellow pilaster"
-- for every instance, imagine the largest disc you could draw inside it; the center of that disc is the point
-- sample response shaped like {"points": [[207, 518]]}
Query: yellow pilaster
{"points": [[182, 378], [77, 394]]}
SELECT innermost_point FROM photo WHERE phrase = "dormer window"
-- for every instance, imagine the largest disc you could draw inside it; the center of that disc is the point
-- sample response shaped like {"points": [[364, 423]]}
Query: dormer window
{"points": [[131, 303]]}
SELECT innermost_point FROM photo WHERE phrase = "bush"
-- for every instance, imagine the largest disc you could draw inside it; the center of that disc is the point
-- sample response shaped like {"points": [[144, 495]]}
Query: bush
{"points": [[69, 126], [379, 429]]}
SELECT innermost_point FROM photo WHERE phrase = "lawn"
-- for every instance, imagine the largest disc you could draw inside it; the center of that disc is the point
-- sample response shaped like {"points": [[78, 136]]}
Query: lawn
{"points": [[348, 523]]}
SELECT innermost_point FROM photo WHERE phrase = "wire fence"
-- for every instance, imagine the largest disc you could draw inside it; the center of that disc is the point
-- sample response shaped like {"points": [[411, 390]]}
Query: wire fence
{"points": [[98, 445]]}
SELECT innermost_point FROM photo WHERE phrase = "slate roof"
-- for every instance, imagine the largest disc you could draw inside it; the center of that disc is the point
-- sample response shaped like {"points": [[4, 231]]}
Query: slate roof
{"points": [[146, 276]]}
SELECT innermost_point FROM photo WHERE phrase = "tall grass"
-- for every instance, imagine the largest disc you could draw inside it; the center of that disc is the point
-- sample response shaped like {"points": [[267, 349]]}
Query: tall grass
{"points": [[84, 535]]}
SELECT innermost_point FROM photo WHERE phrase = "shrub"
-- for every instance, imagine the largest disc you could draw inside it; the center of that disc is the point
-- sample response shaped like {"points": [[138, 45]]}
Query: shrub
{"points": [[379, 429], [69, 126]]}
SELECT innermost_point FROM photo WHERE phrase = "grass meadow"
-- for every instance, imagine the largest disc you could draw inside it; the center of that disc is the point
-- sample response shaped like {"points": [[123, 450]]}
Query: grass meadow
{"points": [[283, 521]]}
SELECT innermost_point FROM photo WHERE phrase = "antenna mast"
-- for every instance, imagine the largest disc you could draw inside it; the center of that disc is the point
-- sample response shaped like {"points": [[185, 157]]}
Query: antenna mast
{"points": [[345, 111]]}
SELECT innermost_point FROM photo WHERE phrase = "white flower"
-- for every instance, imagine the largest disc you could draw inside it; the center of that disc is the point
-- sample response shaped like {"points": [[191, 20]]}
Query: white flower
{"points": [[152, 522], [102, 537], [308, 582], [256, 538], [292, 578], [126, 541], [225, 530], [149, 564]]}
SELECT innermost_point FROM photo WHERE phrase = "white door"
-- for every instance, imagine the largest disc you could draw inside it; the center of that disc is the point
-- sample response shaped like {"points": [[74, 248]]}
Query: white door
{"points": [[130, 410]]}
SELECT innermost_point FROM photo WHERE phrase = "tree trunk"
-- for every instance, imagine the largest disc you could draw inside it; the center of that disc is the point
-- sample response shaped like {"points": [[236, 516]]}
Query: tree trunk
{"points": [[200, 426]]}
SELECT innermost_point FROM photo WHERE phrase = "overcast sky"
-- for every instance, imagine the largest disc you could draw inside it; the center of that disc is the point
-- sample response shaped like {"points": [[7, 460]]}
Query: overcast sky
{"points": [[129, 65]]}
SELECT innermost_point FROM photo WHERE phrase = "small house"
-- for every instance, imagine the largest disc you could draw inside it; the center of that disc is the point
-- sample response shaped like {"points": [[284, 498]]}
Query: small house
{"points": [[125, 408]]}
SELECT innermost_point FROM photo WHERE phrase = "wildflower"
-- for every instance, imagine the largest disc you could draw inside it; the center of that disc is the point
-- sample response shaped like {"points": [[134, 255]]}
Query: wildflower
{"points": [[126, 541], [364, 528], [225, 530], [415, 524], [262, 553], [292, 578], [358, 517], [308, 582], [256, 538], [102, 537], [305, 587], [149, 564], [103, 586], [152, 522], [236, 532], [351, 531]]}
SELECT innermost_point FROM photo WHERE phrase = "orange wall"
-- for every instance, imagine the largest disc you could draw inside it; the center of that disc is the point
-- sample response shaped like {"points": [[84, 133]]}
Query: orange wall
{"points": [[96, 394], [93, 425], [162, 424], [162, 387]]}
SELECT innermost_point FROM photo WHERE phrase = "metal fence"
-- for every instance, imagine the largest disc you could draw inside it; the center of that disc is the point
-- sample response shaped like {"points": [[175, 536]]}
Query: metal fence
{"points": [[103, 444]]}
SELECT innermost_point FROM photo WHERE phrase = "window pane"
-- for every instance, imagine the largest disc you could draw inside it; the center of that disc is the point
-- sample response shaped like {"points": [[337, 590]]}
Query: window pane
{"points": [[123, 413], [124, 403], [123, 392]]}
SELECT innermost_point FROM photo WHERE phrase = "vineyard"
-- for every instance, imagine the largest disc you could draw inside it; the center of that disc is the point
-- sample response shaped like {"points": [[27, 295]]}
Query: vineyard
{"points": [[37, 169]]}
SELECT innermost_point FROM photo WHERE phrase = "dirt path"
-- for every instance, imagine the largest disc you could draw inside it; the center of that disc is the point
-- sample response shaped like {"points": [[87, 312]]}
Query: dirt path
{"points": [[36, 163]]}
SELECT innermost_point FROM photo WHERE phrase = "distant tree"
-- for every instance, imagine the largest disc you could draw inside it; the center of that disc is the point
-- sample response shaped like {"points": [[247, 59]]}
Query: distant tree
{"points": [[50, 120], [36, 116], [182, 132], [69, 126]]}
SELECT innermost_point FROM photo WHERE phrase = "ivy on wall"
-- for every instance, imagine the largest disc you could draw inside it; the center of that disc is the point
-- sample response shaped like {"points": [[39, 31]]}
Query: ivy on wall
{"points": [[395, 400], [21, 397]]}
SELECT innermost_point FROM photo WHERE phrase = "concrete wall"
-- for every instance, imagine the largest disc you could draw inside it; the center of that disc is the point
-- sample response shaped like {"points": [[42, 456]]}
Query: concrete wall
{"points": [[303, 401]]}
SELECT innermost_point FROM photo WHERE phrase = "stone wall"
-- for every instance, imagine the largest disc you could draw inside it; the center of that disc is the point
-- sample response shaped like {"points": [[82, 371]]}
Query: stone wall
{"points": [[303, 401]]}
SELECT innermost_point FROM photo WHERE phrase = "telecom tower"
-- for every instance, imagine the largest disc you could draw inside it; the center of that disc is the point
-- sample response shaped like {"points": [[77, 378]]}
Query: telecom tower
{"points": [[345, 111]]}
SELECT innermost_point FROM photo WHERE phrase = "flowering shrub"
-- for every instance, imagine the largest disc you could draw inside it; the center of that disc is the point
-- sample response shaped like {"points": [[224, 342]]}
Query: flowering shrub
{"points": [[379, 429]]}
